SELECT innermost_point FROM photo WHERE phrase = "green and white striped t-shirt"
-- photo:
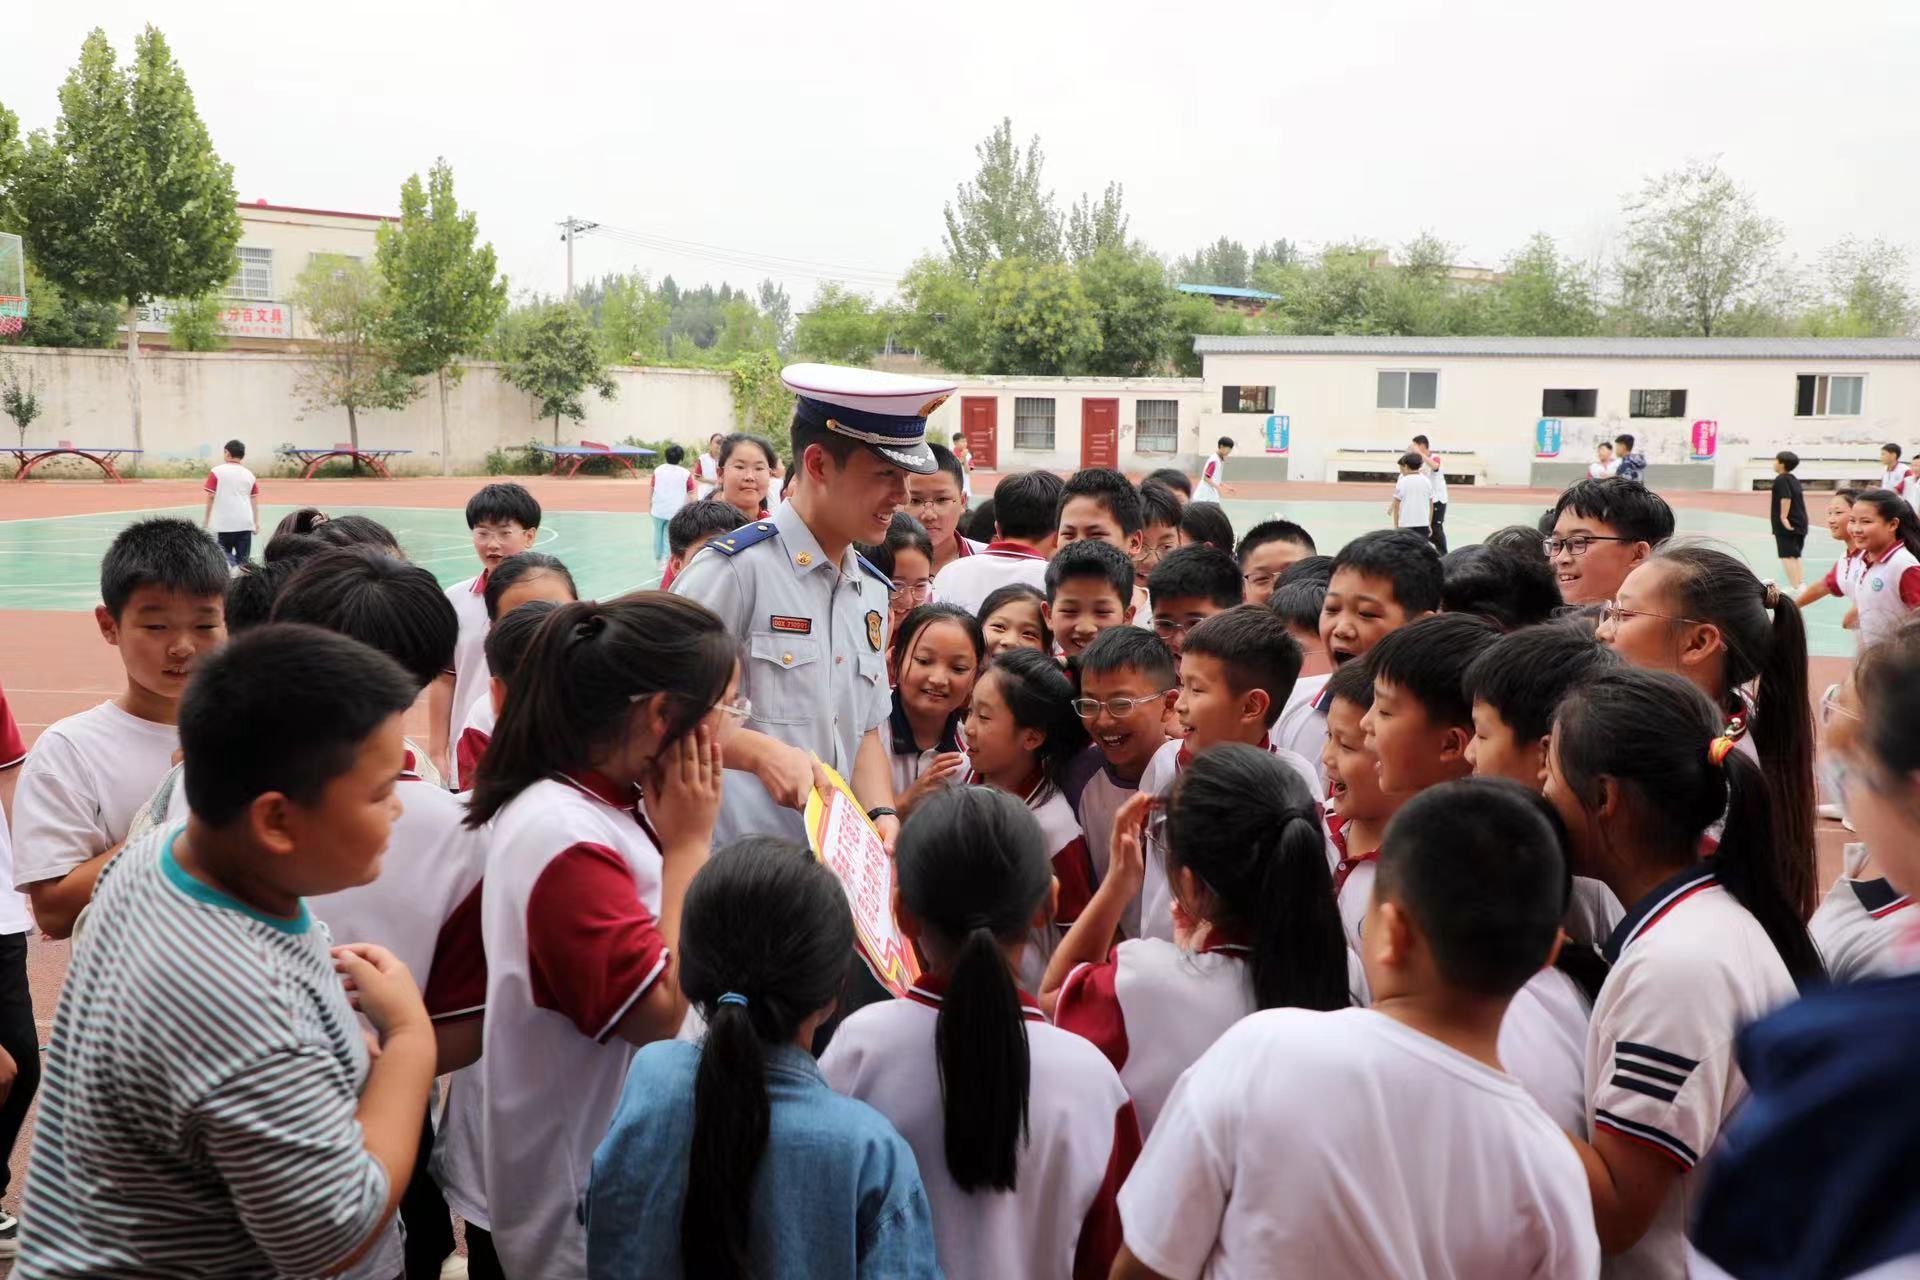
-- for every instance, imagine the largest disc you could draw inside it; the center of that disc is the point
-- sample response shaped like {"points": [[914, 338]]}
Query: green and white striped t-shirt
{"points": [[197, 1115]]}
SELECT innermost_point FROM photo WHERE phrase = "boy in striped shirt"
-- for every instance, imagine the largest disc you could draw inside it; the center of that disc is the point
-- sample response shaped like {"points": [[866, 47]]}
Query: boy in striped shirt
{"points": [[210, 1104]]}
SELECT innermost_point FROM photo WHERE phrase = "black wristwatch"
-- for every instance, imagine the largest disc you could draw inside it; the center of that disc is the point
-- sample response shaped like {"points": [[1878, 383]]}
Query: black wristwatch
{"points": [[880, 811]]}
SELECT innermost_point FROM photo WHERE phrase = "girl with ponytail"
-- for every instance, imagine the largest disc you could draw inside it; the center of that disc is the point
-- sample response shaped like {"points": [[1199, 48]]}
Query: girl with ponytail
{"points": [[1247, 862], [1023, 1132], [1639, 766], [1702, 614], [600, 787], [1888, 535], [732, 1158]]}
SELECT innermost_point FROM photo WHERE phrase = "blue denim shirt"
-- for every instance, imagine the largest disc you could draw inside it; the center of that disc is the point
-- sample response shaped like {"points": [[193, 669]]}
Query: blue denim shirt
{"points": [[836, 1194]]}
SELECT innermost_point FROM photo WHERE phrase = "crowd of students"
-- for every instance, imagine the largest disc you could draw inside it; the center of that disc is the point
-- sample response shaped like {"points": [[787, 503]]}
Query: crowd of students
{"points": [[1376, 913]]}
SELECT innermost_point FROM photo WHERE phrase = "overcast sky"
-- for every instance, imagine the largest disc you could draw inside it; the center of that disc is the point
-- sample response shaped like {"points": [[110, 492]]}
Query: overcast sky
{"points": [[821, 139]]}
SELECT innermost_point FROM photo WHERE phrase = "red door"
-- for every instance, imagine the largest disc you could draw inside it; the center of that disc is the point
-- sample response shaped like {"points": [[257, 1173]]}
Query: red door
{"points": [[1100, 434], [980, 421]]}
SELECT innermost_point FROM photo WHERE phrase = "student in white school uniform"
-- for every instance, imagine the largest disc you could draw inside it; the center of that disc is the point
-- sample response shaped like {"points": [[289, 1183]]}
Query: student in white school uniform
{"points": [[935, 659], [233, 504], [1022, 738], [1244, 848], [938, 502], [707, 468], [521, 579], [1897, 475], [1127, 686], [1412, 504], [505, 520], [670, 488], [1026, 514], [508, 640], [601, 785], [1436, 474], [1639, 768], [1844, 577], [1358, 808], [1213, 474], [163, 586], [1889, 586], [1384, 1141], [1023, 1132]]}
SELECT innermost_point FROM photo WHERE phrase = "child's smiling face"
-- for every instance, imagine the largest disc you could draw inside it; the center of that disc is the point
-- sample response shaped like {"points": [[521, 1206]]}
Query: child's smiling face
{"points": [[1360, 609]]}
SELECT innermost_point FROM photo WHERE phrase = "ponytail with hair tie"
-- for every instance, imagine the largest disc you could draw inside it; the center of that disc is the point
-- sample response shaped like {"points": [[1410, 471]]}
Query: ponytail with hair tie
{"points": [[1717, 750]]}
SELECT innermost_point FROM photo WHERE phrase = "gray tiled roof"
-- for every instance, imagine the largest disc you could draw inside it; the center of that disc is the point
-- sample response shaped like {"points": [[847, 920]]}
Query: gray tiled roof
{"points": [[1568, 348]]}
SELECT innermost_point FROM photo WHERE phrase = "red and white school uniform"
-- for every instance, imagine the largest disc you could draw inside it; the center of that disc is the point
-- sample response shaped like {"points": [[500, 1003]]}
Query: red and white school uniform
{"points": [[471, 742], [908, 758], [1081, 1143], [1898, 479], [573, 891], [1156, 895], [1072, 867], [13, 748], [1353, 871], [1302, 726], [969, 580], [471, 678], [1212, 475], [1844, 578], [1865, 928], [1691, 967], [1889, 589]]}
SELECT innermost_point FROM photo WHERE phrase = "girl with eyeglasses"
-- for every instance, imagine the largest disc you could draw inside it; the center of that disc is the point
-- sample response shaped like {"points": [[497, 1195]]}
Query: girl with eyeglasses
{"points": [[1702, 614], [1247, 864], [601, 785], [936, 656]]}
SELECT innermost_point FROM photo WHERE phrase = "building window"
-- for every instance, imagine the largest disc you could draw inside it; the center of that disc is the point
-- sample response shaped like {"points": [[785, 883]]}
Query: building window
{"points": [[1033, 422], [1558, 402], [1657, 404], [253, 275], [1408, 389], [1822, 395], [1246, 399], [1156, 426]]}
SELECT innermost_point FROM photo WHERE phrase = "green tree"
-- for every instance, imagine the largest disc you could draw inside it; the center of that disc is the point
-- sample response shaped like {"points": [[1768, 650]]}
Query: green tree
{"points": [[761, 402], [1006, 211], [1133, 309], [13, 154], [1341, 291], [942, 316], [841, 327], [1543, 294], [1194, 315], [1037, 320], [1862, 291], [195, 325], [343, 302], [19, 399], [127, 199], [556, 360], [778, 309], [633, 321], [443, 293], [1224, 263], [743, 329], [55, 320], [1092, 227], [1697, 249]]}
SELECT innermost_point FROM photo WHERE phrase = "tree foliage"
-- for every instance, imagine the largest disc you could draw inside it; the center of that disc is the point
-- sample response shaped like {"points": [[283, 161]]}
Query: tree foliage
{"points": [[1093, 227], [1862, 290], [555, 359], [1696, 250], [19, 398], [343, 301], [1036, 318], [1006, 211], [194, 325], [55, 320], [840, 327], [1133, 311], [761, 402]]}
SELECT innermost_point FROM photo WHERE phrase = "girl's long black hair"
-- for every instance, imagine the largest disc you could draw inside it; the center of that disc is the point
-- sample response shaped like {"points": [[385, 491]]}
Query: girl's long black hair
{"points": [[922, 616], [1766, 642], [1891, 506], [1039, 695], [576, 686], [1246, 825], [766, 922], [1653, 733], [974, 871]]}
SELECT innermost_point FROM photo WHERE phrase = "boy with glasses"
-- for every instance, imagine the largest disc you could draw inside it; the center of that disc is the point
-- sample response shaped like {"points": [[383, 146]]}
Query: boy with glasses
{"points": [[1127, 688], [1602, 530], [1188, 587], [938, 501]]}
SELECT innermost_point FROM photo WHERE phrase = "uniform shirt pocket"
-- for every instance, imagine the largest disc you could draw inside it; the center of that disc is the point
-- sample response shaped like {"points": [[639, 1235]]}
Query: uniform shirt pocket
{"points": [[781, 678]]}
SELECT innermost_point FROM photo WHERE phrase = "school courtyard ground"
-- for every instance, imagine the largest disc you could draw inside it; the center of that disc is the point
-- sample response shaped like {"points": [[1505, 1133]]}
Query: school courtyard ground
{"points": [[52, 534]]}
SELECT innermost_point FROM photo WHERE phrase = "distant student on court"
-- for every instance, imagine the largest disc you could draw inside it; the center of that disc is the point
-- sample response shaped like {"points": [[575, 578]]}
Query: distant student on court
{"points": [[1437, 477], [1412, 503], [233, 504], [1787, 513], [1213, 476], [1630, 463], [673, 488]]}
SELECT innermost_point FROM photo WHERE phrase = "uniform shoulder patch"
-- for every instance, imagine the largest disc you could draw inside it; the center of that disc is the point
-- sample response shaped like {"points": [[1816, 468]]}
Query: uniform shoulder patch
{"points": [[747, 535], [873, 570]]}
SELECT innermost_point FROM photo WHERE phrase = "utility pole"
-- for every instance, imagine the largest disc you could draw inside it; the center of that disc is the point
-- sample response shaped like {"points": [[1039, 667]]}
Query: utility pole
{"points": [[570, 230]]}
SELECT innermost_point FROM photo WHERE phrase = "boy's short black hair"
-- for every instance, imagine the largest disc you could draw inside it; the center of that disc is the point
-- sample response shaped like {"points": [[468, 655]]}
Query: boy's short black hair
{"points": [[1128, 649], [164, 552], [1275, 530], [1524, 676], [387, 604], [1482, 872], [1512, 589], [1625, 439], [235, 448], [1206, 523], [1206, 573], [1026, 506], [1174, 478], [251, 593], [1523, 539], [511, 635], [1352, 682], [1224, 442], [1423, 442], [1787, 458], [1110, 489], [978, 524], [803, 435], [903, 533], [1159, 505], [1630, 507], [1427, 658], [1403, 557], [357, 531], [1088, 558], [1254, 652], [292, 548], [675, 455], [520, 565], [1310, 568], [944, 460], [285, 709], [502, 501], [1298, 601], [1411, 461], [706, 518], [1891, 448]]}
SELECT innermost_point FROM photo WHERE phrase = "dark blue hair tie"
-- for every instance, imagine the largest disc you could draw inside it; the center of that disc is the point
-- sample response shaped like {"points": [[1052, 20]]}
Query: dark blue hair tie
{"points": [[734, 997]]}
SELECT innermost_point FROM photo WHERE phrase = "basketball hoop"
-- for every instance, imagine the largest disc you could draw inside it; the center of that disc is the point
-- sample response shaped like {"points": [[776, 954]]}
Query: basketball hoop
{"points": [[13, 315], [13, 285]]}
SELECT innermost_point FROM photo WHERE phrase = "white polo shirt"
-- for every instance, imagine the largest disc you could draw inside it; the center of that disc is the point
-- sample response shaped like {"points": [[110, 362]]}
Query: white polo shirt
{"points": [[1081, 1143], [1436, 477], [908, 758], [1072, 869], [1844, 578], [232, 487], [1889, 588], [1543, 1045], [1213, 474], [1415, 494], [1352, 1146], [968, 580], [1691, 967], [671, 489], [1864, 928], [572, 893], [80, 787], [471, 742], [1302, 726], [470, 674]]}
